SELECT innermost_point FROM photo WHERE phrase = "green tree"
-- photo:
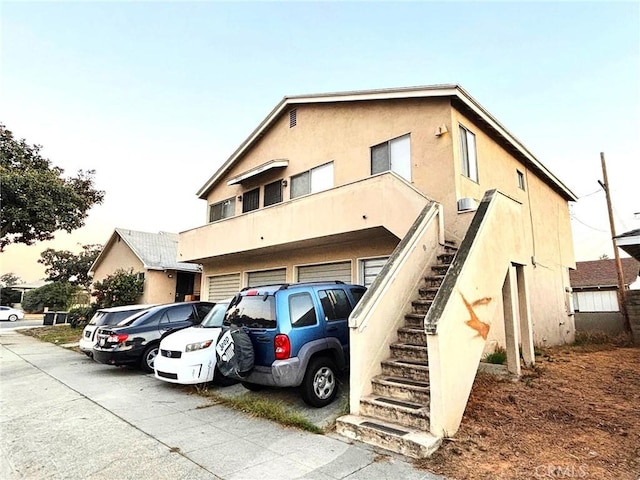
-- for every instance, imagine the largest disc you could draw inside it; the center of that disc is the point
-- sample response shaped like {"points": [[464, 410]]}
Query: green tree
{"points": [[65, 266], [9, 296], [56, 296], [9, 279], [122, 288], [36, 199]]}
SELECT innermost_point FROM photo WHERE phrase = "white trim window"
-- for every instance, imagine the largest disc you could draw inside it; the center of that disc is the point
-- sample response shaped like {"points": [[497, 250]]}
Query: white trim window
{"points": [[468, 154], [394, 155], [312, 181], [223, 209]]}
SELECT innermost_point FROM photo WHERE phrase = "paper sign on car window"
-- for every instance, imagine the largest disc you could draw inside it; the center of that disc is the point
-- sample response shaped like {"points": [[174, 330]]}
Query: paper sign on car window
{"points": [[225, 348]]}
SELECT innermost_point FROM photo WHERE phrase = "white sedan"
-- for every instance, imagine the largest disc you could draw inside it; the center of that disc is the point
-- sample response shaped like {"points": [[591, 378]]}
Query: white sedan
{"points": [[188, 356], [11, 314]]}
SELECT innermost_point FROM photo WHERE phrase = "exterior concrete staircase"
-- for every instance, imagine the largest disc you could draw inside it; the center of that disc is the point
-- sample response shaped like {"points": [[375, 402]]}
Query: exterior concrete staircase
{"points": [[396, 414]]}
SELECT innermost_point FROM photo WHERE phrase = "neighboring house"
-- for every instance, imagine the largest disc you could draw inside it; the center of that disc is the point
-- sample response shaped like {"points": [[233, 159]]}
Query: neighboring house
{"points": [[595, 293], [381, 187], [154, 257], [26, 287]]}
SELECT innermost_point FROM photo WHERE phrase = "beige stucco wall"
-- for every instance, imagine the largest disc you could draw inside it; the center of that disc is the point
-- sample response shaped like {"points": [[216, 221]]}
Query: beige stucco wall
{"points": [[380, 244], [159, 287], [118, 256], [344, 133]]}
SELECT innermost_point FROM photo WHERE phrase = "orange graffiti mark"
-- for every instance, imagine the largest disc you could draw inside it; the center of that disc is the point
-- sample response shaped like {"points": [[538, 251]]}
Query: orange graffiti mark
{"points": [[474, 322]]}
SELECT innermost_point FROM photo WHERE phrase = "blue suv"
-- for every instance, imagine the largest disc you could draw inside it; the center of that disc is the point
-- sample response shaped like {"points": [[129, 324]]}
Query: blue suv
{"points": [[299, 333]]}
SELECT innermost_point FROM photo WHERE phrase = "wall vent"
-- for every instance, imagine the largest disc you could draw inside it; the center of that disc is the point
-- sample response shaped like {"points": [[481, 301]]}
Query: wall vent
{"points": [[293, 120]]}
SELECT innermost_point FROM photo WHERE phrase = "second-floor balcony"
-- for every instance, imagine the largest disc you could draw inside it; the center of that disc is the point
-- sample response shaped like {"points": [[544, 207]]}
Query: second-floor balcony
{"points": [[384, 201]]}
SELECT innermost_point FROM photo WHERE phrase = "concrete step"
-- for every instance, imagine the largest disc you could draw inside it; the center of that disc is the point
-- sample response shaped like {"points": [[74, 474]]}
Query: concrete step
{"points": [[401, 412], [421, 306], [428, 293], [401, 389], [446, 258], [440, 269], [395, 438], [415, 352], [414, 320], [407, 368], [412, 336], [434, 280]]}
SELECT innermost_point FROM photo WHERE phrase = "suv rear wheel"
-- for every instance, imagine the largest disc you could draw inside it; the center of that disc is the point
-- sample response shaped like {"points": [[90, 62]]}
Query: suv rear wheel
{"points": [[320, 385]]}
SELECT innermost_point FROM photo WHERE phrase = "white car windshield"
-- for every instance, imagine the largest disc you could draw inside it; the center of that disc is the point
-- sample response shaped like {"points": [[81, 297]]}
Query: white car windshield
{"points": [[215, 316]]}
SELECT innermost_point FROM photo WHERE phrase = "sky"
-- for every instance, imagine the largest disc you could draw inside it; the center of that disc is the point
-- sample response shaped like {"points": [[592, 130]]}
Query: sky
{"points": [[155, 96]]}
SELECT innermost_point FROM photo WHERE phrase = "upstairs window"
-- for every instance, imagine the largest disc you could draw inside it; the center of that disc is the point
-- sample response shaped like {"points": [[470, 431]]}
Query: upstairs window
{"points": [[223, 209], [273, 193], [468, 154], [251, 200], [521, 183], [312, 181], [394, 155]]}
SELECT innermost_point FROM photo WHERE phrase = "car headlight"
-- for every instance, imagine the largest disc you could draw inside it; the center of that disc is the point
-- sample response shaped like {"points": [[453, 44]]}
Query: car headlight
{"points": [[198, 346]]}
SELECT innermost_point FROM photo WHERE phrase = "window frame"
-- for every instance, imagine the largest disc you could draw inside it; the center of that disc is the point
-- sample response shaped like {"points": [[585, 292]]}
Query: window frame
{"points": [[465, 160], [231, 202], [522, 184], [254, 192], [388, 147], [309, 176]]}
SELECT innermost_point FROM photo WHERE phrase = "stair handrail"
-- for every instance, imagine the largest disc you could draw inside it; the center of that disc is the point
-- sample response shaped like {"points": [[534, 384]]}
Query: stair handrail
{"points": [[361, 313]]}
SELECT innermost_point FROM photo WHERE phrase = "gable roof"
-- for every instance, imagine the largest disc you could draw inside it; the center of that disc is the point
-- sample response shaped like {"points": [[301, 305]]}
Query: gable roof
{"points": [[462, 100], [156, 251], [603, 273]]}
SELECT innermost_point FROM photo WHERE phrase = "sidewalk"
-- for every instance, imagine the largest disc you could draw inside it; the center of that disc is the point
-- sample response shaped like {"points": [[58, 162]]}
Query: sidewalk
{"points": [[64, 416]]}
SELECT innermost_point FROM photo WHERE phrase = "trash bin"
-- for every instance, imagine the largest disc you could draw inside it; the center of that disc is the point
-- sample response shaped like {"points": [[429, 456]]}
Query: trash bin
{"points": [[61, 317], [49, 318]]}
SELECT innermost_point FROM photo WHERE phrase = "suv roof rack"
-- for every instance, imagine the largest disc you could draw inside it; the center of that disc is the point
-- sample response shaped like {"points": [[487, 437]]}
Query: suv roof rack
{"points": [[284, 286]]}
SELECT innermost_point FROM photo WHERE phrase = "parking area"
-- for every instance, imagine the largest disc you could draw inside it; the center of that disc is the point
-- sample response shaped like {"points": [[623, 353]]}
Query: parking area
{"points": [[65, 416]]}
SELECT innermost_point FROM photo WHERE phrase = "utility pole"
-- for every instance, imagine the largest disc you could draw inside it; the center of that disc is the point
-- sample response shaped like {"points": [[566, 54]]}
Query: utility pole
{"points": [[621, 291]]}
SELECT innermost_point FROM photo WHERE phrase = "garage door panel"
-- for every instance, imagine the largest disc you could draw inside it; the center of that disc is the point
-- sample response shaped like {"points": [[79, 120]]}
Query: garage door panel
{"points": [[223, 286], [325, 272], [371, 267], [267, 277]]}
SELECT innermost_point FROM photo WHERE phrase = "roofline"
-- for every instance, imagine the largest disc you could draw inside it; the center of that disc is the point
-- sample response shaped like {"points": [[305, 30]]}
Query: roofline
{"points": [[449, 90]]}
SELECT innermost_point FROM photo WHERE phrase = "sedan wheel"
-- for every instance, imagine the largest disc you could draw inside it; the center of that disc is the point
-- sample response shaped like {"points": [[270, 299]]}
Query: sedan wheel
{"points": [[149, 358], [13, 318]]}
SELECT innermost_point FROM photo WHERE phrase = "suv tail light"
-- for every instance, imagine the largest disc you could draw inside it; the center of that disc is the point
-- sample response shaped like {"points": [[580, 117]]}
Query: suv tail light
{"points": [[117, 338], [282, 347]]}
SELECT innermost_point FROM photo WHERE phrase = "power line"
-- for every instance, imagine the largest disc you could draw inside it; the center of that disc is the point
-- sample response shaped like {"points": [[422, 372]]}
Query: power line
{"points": [[573, 217]]}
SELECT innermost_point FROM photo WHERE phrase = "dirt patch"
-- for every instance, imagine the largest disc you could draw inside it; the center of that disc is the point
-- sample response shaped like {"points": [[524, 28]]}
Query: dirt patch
{"points": [[575, 415]]}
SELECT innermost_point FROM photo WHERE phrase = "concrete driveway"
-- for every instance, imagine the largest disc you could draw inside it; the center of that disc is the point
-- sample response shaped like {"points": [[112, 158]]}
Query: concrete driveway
{"points": [[64, 416]]}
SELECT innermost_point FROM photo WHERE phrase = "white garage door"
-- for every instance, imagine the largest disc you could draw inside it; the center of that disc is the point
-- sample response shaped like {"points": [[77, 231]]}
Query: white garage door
{"points": [[370, 268], [223, 286], [267, 277], [325, 272]]}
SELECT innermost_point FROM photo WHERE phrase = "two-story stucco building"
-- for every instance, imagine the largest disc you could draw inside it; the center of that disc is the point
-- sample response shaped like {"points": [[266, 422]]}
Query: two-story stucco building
{"points": [[331, 186]]}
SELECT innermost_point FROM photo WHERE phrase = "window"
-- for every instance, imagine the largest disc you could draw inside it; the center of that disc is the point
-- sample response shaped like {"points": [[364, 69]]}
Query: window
{"points": [[293, 118], [357, 294], [251, 312], [273, 193], [394, 155], [301, 310], [335, 304], [315, 180], [599, 301], [251, 200], [224, 209], [520, 179], [468, 154]]}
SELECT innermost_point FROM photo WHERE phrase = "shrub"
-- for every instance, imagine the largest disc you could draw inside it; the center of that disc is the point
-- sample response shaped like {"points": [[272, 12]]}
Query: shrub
{"points": [[55, 296], [121, 288], [80, 316]]}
